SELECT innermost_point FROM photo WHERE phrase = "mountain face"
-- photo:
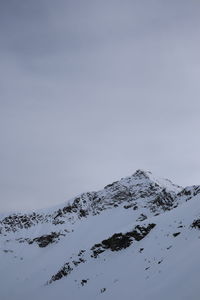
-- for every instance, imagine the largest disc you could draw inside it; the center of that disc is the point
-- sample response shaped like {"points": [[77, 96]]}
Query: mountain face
{"points": [[138, 238]]}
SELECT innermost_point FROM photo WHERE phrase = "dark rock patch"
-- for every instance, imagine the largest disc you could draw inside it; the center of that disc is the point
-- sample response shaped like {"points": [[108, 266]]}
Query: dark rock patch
{"points": [[15, 222], [83, 213], [96, 250], [84, 281], [45, 240], [176, 234], [142, 217], [190, 192], [64, 271], [164, 200], [79, 261], [110, 185], [68, 267], [8, 251], [81, 252], [196, 224], [132, 205], [119, 241]]}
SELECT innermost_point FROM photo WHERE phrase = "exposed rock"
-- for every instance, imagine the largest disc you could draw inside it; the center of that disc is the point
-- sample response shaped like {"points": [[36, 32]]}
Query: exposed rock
{"points": [[66, 270], [45, 240], [68, 267], [196, 224], [138, 190], [84, 281], [176, 234], [164, 200], [120, 241], [142, 217]]}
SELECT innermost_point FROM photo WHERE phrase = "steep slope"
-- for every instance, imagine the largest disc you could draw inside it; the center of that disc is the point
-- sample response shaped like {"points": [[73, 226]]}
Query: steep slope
{"points": [[137, 238]]}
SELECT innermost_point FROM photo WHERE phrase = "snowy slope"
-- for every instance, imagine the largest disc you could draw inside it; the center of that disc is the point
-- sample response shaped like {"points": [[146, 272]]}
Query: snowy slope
{"points": [[138, 238]]}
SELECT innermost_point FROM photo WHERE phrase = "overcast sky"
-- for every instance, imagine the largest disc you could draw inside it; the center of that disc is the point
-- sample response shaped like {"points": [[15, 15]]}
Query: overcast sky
{"points": [[90, 91]]}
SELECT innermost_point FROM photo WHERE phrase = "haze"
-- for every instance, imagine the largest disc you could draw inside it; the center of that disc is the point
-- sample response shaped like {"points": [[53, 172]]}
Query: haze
{"points": [[90, 91]]}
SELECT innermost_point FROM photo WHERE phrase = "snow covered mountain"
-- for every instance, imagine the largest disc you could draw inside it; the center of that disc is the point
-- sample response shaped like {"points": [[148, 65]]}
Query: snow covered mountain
{"points": [[138, 238]]}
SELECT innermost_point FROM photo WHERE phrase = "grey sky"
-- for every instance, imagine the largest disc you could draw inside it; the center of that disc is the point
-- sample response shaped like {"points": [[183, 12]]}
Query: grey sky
{"points": [[90, 91]]}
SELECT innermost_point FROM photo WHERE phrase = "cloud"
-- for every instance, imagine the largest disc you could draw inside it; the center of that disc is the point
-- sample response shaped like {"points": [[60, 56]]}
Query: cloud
{"points": [[91, 91]]}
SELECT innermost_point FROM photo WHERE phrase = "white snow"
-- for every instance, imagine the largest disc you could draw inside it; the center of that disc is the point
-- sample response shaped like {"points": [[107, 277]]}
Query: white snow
{"points": [[167, 267]]}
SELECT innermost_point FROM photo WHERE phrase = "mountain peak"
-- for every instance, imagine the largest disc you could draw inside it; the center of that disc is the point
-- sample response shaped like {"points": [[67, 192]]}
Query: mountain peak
{"points": [[149, 221], [142, 174]]}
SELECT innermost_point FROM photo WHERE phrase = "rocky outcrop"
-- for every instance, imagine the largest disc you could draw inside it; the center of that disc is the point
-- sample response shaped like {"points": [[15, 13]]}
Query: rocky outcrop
{"points": [[47, 239], [196, 224], [119, 241], [139, 191]]}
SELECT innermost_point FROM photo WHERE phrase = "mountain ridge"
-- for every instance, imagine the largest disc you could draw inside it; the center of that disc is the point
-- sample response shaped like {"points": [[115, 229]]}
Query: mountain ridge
{"points": [[74, 246], [120, 189]]}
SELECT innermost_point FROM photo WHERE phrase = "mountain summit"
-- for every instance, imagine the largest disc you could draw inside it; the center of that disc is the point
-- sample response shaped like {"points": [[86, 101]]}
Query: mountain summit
{"points": [[138, 238]]}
